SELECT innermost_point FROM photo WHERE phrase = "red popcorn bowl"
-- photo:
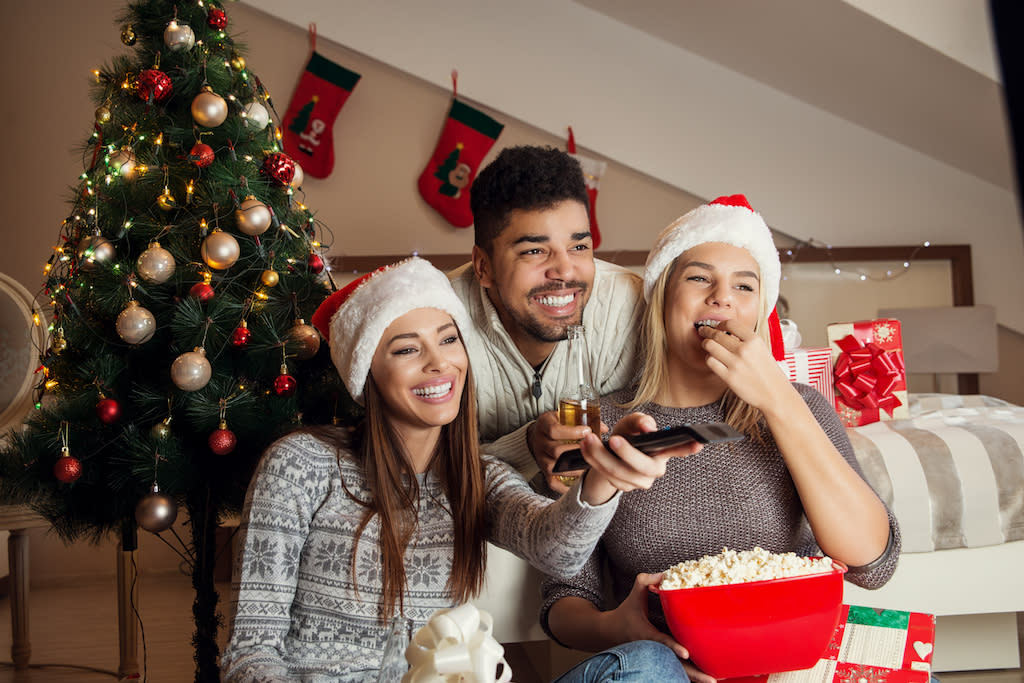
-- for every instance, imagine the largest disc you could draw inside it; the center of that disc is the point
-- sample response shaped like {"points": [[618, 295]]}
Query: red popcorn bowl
{"points": [[758, 627]]}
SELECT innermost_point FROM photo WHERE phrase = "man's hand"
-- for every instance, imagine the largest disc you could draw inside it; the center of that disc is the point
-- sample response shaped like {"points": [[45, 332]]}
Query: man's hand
{"points": [[548, 439]]}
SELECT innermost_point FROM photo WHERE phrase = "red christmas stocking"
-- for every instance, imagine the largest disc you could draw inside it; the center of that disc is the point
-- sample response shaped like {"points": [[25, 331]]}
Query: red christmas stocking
{"points": [[467, 136], [592, 172], [322, 90]]}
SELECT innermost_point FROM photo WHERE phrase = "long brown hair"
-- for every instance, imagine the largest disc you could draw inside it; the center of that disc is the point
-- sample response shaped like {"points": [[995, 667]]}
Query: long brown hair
{"points": [[738, 413], [394, 495]]}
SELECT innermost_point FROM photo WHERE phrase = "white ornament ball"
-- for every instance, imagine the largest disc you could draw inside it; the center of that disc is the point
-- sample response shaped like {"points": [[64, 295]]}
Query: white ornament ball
{"points": [[256, 116], [253, 216], [123, 163], [209, 109], [155, 265], [136, 324], [298, 177], [191, 371], [94, 250], [220, 250], [179, 36]]}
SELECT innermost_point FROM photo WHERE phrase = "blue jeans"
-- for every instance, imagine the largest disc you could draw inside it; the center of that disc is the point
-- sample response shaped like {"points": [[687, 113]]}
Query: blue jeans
{"points": [[640, 661]]}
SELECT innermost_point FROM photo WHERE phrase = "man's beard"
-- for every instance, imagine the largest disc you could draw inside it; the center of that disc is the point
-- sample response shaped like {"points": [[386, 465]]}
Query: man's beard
{"points": [[549, 332]]}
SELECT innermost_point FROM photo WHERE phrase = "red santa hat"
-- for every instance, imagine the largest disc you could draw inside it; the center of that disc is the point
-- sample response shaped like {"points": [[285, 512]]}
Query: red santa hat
{"points": [[353, 319], [731, 220]]}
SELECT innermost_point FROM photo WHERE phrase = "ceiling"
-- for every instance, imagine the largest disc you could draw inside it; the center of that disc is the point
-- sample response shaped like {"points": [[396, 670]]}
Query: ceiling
{"points": [[852, 65]]}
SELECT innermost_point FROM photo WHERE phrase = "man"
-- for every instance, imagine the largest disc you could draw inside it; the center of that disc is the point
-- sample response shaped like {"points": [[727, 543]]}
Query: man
{"points": [[532, 275]]}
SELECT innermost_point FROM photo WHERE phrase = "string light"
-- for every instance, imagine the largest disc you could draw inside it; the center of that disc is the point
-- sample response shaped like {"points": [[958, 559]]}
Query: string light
{"points": [[792, 254]]}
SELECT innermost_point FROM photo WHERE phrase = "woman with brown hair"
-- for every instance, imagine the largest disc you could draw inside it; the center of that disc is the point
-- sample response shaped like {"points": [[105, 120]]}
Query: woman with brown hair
{"points": [[342, 532]]}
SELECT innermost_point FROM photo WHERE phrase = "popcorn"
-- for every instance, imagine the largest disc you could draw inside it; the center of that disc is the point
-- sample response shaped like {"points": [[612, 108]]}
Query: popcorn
{"points": [[731, 566]]}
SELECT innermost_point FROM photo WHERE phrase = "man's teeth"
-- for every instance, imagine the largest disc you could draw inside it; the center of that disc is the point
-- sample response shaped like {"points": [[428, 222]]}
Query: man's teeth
{"points": [[556, 300], [709, 323], [435, 390]]}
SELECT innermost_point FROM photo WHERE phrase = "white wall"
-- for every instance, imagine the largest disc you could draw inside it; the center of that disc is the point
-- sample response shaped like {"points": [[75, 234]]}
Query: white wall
{"points": [[690, 123]]}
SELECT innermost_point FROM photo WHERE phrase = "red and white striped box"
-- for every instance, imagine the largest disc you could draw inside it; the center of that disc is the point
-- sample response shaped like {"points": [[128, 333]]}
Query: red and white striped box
{"points": [[811, 366]]}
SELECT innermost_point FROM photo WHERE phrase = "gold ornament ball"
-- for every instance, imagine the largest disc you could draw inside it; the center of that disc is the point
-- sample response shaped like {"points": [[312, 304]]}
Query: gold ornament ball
{"points": [[191, 371], [103, 114], [94, 250], [155, 265], [220, 250], [59, 343], [135, 324], [166, 200], [156, 511], [253, 216], [304, 339], [270, 278], [209, 109], [161, 430], [238, 63], [128, 36]]}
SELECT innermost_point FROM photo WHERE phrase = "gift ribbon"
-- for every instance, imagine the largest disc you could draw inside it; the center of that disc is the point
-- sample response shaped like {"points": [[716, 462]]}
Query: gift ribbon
{"points": [[867, 375], [456, 645]]}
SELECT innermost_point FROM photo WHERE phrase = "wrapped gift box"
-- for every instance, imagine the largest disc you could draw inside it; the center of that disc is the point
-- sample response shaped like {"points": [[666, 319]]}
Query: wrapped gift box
{"points": [[869, 646], [810, 366], [867, 366]]}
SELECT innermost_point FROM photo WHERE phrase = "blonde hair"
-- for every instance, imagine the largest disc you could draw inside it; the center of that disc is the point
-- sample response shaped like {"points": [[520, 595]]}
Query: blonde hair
{"points": [[654, 339]]}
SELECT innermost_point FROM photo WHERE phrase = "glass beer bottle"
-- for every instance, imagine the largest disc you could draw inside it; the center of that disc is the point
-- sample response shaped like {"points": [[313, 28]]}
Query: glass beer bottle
{"points": [[578, 404]]}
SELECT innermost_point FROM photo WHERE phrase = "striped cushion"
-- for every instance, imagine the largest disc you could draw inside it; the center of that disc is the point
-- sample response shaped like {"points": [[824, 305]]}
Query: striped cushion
{"points": [[953, 473]]}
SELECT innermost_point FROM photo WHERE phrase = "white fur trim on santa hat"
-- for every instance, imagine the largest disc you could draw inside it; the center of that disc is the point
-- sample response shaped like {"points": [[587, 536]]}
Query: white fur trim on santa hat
{"points": [[359, 323], [735, 225]]}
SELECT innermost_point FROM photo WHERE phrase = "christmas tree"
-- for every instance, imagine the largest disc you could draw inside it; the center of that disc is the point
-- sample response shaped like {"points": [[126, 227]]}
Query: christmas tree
{"points": [[178, 293]]}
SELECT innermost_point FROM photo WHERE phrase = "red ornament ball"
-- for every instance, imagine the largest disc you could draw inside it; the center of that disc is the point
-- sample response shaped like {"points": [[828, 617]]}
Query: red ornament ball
{"points": [[155, 84], [279, 167], [201, 291], [201, 155], [67, 469], [108, 411], [285, 385], [316, 264], [217, 18], [222, 441], [240, 337]]}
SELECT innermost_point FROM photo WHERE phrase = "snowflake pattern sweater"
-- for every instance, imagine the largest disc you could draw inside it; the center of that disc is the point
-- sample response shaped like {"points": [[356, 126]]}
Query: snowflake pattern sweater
{"points": [[298, 615], [737, 495]]}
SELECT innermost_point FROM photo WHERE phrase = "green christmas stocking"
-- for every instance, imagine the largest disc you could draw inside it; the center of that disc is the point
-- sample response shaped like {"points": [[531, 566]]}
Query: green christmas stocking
{"points": [[467, 136], [308, 136]]}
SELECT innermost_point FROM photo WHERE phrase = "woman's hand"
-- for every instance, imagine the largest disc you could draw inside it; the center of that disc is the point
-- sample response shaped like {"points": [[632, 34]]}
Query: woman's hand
{"points": [[744, 362], [624, 468]]}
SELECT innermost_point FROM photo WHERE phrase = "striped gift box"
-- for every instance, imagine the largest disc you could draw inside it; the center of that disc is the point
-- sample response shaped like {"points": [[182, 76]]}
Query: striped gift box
{"points": [[810, 366]]}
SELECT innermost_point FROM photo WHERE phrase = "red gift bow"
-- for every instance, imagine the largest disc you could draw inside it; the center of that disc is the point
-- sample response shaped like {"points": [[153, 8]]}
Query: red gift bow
{"points": [[866, 375]]}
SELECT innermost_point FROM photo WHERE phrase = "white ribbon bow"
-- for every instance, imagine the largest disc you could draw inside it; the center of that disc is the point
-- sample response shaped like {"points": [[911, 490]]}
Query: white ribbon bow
{"points": [[456, 646], [791, 337]]}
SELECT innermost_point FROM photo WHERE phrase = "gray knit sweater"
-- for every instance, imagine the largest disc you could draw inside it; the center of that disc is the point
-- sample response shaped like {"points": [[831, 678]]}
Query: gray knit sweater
{"points": [[297, 613], [736, 495]]}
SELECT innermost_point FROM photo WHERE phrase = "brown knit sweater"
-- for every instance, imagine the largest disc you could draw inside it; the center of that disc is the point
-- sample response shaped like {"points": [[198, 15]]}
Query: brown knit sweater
{"points": [[736, 495]]}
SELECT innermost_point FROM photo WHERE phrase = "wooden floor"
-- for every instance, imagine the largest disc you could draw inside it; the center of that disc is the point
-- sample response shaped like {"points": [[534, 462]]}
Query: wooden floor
{"points": [[74, 635]]}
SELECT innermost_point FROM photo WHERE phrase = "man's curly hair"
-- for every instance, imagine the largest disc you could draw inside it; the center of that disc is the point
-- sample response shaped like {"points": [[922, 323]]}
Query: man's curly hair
{"points": [[527, 178]]}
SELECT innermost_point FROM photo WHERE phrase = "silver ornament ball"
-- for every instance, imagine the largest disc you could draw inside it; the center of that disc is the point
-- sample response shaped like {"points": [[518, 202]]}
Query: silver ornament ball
{"points": [[123, 163], [191, 371], [220, 250], [135, 324], [155, 265], [253, 216], [256, 116], [94, 250], [209, 109], [156, 511], [179, 36]]}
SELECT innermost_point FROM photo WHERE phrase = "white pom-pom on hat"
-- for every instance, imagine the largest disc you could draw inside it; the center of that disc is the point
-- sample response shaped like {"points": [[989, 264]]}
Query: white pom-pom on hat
{"points": [[354, 318]]}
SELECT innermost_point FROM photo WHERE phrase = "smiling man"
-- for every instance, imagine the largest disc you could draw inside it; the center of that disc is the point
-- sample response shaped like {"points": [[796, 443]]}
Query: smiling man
{"points": [[532, 275]]}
